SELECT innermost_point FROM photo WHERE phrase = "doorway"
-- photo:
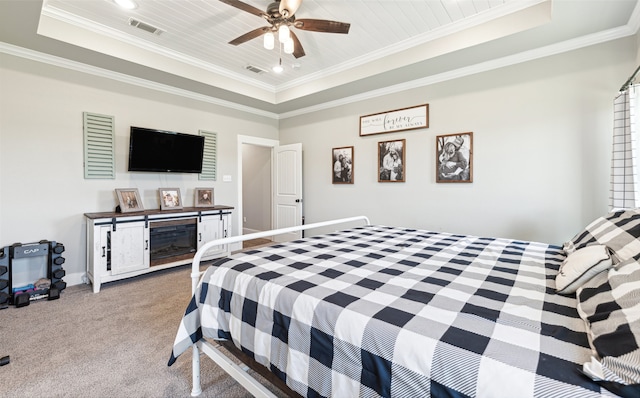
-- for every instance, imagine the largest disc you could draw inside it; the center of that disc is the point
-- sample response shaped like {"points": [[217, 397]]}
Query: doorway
{"points": [[285, 184], [255, 190]]}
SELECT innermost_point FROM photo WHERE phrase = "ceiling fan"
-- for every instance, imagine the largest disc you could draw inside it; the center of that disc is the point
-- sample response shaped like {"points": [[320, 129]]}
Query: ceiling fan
{"points": [[280, 16]]}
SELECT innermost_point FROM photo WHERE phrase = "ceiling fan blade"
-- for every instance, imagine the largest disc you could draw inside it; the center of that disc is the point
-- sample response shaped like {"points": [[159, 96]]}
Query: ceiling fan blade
{"points": [[322, 25], [246, 7], [250, 35], [298, 51]]}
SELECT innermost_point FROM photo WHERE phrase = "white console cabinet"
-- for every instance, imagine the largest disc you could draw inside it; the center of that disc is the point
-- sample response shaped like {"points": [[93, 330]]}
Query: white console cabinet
{"points": [[210, 228], [123, 245]]}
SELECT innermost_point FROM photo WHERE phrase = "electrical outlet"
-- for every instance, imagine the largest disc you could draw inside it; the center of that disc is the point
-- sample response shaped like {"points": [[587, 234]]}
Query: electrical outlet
{"points": [[244, 219]]}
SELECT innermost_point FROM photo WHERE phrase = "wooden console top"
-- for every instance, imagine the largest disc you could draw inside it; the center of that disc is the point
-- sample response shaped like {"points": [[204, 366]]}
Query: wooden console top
{"points": [[112, 214]]}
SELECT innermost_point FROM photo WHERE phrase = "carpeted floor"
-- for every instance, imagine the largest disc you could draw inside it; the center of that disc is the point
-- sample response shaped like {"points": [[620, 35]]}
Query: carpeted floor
{"points": [[255, 243], [115, 343]]}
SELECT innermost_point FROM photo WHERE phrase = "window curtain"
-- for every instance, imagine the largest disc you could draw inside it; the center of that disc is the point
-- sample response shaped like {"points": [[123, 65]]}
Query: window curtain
{"points": [[625, 187]]}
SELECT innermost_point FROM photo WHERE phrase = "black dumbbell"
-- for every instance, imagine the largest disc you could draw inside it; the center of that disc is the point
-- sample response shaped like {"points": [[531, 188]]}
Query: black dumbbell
{"points": [[59, 274]]}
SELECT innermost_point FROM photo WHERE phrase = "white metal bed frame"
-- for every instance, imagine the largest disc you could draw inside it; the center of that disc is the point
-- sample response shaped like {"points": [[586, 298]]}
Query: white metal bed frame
{"points": [[239, 373]]}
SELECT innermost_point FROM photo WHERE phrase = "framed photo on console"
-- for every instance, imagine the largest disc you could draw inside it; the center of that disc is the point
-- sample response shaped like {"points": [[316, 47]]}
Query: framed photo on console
{"points": [[129, 200], [204, 197], [170, 198]]}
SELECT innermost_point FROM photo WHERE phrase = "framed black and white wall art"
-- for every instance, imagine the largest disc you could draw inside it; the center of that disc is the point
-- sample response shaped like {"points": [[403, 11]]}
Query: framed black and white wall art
{"points": [[391, 161], [342, 165], [454, 157]]}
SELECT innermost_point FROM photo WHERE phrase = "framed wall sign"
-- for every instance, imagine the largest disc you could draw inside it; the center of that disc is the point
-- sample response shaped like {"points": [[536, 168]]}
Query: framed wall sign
{"points": [[129, 200], [416, 117], [391, 161], [454, 158], [342, 165]]}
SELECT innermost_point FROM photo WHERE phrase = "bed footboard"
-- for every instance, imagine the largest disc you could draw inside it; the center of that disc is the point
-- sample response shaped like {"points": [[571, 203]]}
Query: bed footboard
{"points": [[235, 371]]}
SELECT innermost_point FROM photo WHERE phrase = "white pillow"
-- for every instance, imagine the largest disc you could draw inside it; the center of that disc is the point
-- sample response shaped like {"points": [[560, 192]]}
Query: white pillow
{"points": [[580, 266]]}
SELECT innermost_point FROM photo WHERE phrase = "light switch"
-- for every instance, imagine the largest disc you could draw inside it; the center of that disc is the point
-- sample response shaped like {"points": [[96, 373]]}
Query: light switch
{"points": [[226, 178]]}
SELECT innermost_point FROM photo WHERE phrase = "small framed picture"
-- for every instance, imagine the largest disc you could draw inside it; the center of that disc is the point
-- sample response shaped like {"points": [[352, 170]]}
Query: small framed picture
{"points": [[170, 198], [129, 200], [391, 161], [204, 197], [342, 161], [454, 157]]}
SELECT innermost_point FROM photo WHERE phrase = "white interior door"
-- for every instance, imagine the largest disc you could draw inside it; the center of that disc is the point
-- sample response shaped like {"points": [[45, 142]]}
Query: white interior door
{"points": [[287, 203]]}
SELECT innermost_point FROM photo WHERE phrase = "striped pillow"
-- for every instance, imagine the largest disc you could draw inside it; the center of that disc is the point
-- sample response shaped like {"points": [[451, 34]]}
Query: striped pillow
{"points": [[619, 231], [610, 306]]}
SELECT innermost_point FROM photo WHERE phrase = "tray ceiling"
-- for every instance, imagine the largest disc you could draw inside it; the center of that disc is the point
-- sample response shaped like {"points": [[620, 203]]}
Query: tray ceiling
{"points": [[390, 43]]}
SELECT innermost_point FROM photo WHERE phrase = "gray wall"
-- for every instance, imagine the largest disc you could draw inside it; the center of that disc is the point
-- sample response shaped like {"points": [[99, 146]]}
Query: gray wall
{"points": [[542, 134], [541, 150], [43, 192]]}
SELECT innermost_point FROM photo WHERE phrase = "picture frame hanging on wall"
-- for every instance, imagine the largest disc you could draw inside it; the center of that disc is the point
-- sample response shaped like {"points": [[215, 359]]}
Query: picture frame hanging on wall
{"points": [[204, 197], [342, 161], [128, 200], [454, 157], [411, 118], [391, 161], [170, 198]]}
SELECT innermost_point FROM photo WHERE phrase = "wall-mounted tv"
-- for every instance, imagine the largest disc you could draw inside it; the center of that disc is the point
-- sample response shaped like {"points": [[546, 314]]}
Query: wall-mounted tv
{"points": [[165, 151]]}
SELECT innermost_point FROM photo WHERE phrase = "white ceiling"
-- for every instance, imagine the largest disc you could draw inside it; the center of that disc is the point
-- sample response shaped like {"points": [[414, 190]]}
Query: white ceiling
{"points": [[390, 44]]}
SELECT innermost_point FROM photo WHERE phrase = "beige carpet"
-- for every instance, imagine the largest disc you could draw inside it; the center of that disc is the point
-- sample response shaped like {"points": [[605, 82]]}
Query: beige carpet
{"points": [[115, 343], [255, 243]]}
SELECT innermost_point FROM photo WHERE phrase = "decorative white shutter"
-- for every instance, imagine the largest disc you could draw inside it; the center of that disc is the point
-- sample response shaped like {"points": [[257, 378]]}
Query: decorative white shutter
{"points": [[99, 146], [209, 161]]}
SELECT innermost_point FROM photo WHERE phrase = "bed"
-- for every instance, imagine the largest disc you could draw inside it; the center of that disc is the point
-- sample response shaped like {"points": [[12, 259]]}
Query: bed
{"points": [[386, 311]]}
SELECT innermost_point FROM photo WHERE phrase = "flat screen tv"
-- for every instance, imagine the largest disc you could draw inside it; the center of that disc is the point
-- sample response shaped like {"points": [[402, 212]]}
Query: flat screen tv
{"points": [[165, 151]]}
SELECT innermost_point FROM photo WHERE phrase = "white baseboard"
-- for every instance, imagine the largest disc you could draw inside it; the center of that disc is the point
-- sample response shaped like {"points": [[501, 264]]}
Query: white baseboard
{"points": [[77, 278]]}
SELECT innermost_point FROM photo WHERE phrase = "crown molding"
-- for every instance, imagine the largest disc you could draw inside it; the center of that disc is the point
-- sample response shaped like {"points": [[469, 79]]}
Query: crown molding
{"points": [[53, 60], [479, 19], [106, 31], [596, 38], [558, 48]]}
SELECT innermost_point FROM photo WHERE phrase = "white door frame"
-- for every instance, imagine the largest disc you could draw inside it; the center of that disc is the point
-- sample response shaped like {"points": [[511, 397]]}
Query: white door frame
{"points": [[246, 139]]}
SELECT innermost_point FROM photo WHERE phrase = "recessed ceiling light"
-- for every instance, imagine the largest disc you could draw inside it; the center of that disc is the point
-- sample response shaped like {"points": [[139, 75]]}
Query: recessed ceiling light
{"points": [[128, 4]]}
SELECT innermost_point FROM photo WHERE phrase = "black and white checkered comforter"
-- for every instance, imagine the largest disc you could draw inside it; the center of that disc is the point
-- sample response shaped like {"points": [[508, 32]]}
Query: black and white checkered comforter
{"points": [[392, 312]]}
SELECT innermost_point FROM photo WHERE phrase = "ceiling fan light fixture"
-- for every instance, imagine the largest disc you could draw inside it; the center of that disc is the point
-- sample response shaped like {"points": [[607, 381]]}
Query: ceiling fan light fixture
{"points": [[284, 34], [289, 7], [288, 46], [269, 41], [278, 68]]}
